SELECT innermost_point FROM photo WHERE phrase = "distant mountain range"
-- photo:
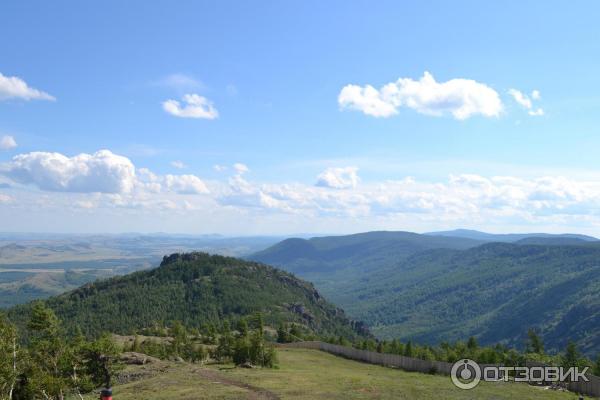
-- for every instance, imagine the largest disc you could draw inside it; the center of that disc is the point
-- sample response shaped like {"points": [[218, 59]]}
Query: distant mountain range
{"points": [[509, 237], [436, 287], [361, 252]]}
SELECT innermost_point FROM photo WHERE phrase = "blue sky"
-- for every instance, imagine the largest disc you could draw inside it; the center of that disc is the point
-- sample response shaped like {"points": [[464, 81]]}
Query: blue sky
{"points": [[269, 77]]}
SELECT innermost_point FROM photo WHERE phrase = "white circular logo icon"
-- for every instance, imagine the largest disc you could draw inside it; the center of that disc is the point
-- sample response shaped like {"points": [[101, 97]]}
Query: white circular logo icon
{"points": [[465, 374]]}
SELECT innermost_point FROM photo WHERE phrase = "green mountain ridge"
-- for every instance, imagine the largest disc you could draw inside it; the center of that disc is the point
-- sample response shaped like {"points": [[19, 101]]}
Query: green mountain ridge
{"points": [[435, 291], [494, 292], [196, 289], [362, 251], [507, 237]]}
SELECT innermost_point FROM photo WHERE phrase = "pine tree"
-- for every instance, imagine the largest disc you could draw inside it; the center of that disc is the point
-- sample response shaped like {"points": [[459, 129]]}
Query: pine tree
{"points": [[282, 335], [260, 323], [101, 361], [226, 343], [81, 380], [596, 366], [472, 344], [408, 350], [342, 341], [242, 327], [43, 321], [257, 348], [571, 358], [9, 365], [534, 343], [241, 350], [212, 334], [270, 357], [180, 338], [51, 372]]}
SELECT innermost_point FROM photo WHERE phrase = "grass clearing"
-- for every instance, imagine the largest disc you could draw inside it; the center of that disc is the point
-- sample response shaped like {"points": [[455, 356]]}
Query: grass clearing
{"points": [[311, 374], [176, 381]]}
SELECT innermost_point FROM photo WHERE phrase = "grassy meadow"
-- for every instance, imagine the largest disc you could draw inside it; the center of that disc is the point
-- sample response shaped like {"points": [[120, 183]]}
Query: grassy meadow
{"points": [[309, 374]]}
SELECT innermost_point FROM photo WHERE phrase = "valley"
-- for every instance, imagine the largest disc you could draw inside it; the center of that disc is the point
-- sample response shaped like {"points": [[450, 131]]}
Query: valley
{"points": [[434, 288]]}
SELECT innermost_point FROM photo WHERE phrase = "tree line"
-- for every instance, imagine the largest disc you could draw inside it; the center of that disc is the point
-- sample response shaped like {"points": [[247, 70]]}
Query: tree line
{"points": [[497, 354], [48, 363], [51, 365], [244, 344]]}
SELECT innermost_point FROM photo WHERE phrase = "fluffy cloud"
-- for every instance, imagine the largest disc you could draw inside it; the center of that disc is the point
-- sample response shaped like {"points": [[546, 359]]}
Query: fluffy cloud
{"points": [[105, 182], [368, 100], [12, 87], [240, 168], [7, 142], [243, 194], [196, 106], [338, 178], [102, 171], [461, 200], [526, 102], [185, 184], [462, 98]]}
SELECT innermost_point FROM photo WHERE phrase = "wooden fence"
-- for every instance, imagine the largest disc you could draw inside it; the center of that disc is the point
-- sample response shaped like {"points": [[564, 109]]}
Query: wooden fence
{"points": [[591, 388], [371, 357]]}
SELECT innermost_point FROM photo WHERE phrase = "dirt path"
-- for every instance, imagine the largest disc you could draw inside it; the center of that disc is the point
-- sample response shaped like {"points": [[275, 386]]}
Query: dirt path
{"points": [[255, 393]]}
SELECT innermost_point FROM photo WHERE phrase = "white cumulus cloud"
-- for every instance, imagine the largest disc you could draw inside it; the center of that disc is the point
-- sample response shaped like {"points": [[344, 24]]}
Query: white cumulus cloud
{"points": [[339, 178], [102, 171], [465, 198], [185, 184], [12, 87], [195, 106], [526, 102], [462, 98], [7, 142], [240, 168]]}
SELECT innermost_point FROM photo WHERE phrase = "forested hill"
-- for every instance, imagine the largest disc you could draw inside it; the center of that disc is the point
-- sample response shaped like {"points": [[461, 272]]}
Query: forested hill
{"points": [[196, 289], [404, 287], [361, 252], [495, 292]]}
